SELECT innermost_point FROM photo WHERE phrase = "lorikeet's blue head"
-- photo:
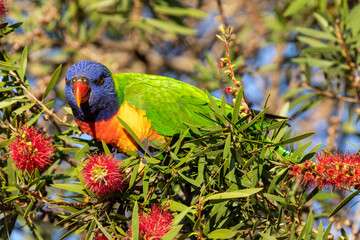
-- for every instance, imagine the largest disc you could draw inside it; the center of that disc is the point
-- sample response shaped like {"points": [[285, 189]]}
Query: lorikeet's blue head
{"points": [[90, 91]]}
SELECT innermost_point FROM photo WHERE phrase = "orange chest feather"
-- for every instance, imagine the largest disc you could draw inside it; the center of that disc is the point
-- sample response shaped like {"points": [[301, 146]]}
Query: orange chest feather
{"points": [[112, 132]]}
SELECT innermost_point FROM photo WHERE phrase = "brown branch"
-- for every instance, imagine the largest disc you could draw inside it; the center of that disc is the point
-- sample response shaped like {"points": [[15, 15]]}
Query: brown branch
{"points": [[221, 11], [349, 62], [136, 10], [37, 101], [226, 38], [201, 227], [330, 94]]}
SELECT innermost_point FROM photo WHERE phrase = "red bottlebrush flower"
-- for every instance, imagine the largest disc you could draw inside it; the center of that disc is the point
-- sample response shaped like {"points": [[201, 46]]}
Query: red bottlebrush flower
{"points": [[155, 224], [31, 149], [229, 90], [330, 170], [100, 236], [296, 170], [3, 9], [103, 175], [308, 176]]}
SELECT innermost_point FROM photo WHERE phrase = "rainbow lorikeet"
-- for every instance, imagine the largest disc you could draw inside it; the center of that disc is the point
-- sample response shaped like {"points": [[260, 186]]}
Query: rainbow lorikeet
{"points": [[154, 107]]}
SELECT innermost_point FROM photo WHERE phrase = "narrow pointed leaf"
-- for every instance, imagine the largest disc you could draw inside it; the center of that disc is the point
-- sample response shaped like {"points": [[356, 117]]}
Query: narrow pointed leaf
{"points": [[52, 82], [23, 63], [135, 222], [343, 203], [234, 194]]}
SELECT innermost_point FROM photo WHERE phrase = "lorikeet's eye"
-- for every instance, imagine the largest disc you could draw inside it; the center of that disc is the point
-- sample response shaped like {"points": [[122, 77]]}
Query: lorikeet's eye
{"points": [[100, 80], [67, 82]]}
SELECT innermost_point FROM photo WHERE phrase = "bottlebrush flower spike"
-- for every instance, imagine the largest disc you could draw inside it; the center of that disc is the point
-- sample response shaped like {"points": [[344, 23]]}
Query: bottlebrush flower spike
{"points": [[155, 224], [3, 9], [31, 149], [340, 171], [103, 174]]}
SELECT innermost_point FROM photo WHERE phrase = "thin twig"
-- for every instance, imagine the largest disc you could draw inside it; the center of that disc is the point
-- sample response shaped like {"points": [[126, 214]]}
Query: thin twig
{"points": [[37, 101], [349, 62], [243, 103], [221, 10], [330, 94]]}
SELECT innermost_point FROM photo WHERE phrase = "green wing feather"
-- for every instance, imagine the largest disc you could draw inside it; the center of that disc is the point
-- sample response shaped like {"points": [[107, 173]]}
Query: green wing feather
{"points": [[168, 103]]}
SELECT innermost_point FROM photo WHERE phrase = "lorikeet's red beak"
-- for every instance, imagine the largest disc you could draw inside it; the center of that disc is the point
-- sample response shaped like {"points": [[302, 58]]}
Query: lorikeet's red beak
{"points": [[82, 92]]}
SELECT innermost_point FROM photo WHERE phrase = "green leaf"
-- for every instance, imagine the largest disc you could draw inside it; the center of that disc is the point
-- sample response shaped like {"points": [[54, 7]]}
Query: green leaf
{"points": [[294, 7], [79, 154], [292, 93], [77, 188], [327, 231], [8, 66], [28, 209], [319, 235], [322, 63], [322, 50], [221, 234], [301, 99], [52, 82], [306, 231], [353, 19], [90, 233], [316, 33], [34, 119], [311, 195], [11, 101], [227, 147], [190, 180], [237, 105], [146, 178], [322, 196], [234, 194], [274, 197], [267, 236], [135, 222], [74, 215], [343, 234], [313, 42], [324, 24], [152, 160], [276, 180], [77, 230], [172, 233], [134, 175], [23, 63], [294, 139], [24, 108], [169, 27], [103, 229], [343, 203], [105, 147], [177, 11], [181, 215]]}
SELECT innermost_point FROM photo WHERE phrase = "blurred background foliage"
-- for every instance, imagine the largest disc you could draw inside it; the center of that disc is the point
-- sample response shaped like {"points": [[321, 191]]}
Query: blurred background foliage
{"points": [[304, 53]]}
